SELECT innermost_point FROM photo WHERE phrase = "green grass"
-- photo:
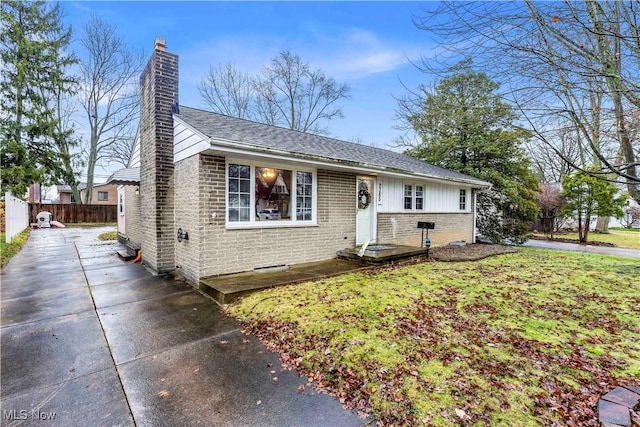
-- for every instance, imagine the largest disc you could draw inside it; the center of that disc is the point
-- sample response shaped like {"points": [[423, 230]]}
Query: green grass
{"points": [[521, 339], [630, 230], [8, 250], [622, 239], [110, 235]]}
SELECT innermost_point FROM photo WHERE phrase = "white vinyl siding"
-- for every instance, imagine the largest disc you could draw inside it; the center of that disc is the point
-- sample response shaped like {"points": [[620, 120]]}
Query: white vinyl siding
{"points": [[186, 141], [437, 197]]}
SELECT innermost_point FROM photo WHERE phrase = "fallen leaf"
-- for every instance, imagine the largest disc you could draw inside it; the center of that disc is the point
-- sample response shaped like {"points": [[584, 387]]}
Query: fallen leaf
{"points": [[164, 393], [460, 413], [224, 342], [301, 388]]}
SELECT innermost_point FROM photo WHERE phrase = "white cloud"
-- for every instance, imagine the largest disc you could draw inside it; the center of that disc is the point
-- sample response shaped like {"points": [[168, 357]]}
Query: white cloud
{"points": [[359, 53], [352, 54]]}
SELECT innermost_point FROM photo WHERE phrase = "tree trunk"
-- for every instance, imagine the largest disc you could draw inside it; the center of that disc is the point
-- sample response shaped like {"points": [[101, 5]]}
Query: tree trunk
{"points": [[602, 225], [585, 235]]}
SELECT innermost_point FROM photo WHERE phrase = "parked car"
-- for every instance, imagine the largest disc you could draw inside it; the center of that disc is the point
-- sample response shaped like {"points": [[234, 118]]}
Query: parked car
{"points": [[269, 214]]}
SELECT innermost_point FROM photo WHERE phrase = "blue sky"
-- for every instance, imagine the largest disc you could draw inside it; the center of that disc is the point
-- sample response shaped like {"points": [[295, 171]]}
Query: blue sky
{"points": [[368, 45]]}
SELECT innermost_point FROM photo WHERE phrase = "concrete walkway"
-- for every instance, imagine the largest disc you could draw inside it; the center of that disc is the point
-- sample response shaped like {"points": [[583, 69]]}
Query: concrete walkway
{"points": [[90, 340], [575, 247]]}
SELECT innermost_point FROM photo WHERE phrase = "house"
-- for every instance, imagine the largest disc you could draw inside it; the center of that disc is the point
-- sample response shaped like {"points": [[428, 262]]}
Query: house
{"points": [[207, 194], [103, 194]]}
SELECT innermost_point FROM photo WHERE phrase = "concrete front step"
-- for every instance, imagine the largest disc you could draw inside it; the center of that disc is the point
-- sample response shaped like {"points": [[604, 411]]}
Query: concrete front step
{"points": [[126, 255]]}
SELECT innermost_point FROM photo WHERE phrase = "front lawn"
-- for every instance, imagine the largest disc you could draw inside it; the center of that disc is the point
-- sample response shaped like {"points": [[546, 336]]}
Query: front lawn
{"points": [[531, 338]]}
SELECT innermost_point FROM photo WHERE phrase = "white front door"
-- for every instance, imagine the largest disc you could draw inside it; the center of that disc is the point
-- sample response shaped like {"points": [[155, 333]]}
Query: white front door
{"points": [[365, 205]]}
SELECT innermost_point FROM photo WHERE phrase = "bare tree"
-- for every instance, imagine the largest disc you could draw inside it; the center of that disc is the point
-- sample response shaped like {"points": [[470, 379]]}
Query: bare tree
{"points": [[108, 91], [120, 150], [567, 65], [631, 216], [550, 202], [288, 93], [228, 90], [549, 165]]}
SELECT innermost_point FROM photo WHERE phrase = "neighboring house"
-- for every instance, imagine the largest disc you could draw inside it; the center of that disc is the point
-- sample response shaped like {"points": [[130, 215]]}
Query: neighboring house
{"points": [[208, 194], [103, 194], [65, 194]]}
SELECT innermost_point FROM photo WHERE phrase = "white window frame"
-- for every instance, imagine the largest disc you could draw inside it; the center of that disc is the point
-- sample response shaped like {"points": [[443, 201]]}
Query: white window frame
{"points": [[460, 207], [414, 196], [121, 202], [252, 223]]}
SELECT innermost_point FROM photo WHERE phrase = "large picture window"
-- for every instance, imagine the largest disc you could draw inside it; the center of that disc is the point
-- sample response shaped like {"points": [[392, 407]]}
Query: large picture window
{"points": [[273, 198], [268, 195]]}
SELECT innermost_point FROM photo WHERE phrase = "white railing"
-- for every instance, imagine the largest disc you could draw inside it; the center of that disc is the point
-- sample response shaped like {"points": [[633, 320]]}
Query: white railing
{"points": [[16, 214]]}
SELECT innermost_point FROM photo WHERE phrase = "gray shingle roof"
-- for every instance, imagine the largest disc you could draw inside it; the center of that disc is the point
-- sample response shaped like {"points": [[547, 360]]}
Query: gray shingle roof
{"points": [[126, 176], [248, 133]]}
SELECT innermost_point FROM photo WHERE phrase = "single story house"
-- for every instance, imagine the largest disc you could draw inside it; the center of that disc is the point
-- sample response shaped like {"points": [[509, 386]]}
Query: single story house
{"points": [[207, 194]]}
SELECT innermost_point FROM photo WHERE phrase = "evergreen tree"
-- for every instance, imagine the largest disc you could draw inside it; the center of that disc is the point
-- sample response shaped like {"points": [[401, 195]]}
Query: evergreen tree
{"points": [[462, 124], [587, 195], [32, 48]]}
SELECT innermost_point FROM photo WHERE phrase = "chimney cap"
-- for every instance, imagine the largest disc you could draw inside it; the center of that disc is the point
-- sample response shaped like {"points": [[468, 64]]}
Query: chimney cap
{"points": [[161, 43]]}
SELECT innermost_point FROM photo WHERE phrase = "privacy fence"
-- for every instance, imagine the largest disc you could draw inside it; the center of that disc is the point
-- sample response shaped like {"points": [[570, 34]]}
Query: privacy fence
{"points": [[68, 214], [16, 216]]}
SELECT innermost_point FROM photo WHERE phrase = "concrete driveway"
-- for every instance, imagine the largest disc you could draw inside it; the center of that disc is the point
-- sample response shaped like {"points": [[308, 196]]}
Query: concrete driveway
{"points": [[90, 340]]}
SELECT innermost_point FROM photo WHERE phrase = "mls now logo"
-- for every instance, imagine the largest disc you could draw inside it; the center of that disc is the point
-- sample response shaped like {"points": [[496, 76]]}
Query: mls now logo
{"points": [[13, 414]]}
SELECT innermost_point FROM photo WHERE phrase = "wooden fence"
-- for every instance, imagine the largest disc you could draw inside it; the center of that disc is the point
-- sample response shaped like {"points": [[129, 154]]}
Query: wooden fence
{"points": [[67, 214]]}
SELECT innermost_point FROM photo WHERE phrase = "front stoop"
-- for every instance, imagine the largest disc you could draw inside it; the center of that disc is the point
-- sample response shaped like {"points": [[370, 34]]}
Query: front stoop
{"points": [[228, 288], [614, 408], [390, 253]]}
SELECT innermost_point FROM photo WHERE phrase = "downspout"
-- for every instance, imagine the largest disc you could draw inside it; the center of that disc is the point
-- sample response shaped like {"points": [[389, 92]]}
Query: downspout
{"points": [[475, 213]]}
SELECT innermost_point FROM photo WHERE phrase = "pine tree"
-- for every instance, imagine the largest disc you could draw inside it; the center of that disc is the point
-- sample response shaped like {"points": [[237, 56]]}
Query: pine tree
{"points": [[462, 124], [32, 49]]}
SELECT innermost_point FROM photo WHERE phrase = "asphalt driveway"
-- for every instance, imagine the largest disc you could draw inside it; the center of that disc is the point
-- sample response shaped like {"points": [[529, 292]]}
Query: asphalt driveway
{"points": [[575, 247], [90, 340]]}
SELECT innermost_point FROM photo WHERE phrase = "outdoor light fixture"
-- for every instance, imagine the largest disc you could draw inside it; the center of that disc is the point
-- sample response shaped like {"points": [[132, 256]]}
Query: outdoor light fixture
{"points": [[137, 191], [182, 235]]}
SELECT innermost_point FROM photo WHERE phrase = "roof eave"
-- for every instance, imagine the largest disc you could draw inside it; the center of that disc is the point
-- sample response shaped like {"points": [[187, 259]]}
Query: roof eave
{"points": [[221, 143]]}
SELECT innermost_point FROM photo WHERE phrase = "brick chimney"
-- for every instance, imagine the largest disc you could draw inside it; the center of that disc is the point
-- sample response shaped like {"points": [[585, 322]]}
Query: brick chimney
{"points": [[158, 99]]}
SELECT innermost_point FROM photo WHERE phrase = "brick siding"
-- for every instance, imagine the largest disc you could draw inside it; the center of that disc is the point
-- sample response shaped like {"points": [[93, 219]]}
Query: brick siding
{"points": [[224, 251], [401, 228], [132, 223], [158, 95], [187, 216]]}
